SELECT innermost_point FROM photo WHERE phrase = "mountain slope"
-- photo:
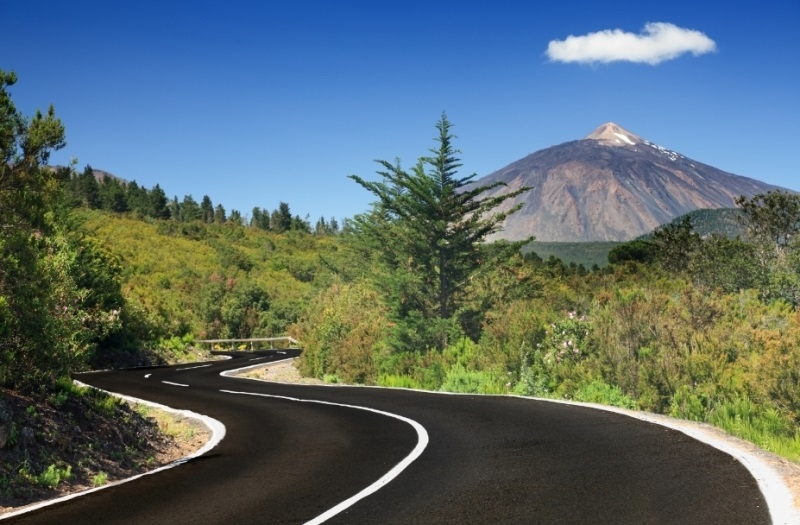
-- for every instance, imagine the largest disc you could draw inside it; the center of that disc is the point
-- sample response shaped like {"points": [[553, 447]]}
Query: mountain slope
{"points": [[611, 186]]}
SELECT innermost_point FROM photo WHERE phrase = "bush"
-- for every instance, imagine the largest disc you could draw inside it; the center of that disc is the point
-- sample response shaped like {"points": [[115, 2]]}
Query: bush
{"points": [[398, 381], [341, 331], [600, 392], [52, 476], [461, 380]]}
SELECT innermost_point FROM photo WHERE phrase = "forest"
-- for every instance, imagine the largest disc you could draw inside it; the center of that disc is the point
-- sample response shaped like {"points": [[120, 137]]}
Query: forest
{"points": [[407, 294]]}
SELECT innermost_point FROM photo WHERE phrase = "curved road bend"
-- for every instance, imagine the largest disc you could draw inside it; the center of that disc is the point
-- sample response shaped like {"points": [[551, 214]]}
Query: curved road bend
{"points": [[489, 460]]}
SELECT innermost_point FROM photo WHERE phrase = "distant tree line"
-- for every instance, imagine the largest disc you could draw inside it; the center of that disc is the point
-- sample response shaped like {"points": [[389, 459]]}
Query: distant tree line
{"points": [[112, 194]]}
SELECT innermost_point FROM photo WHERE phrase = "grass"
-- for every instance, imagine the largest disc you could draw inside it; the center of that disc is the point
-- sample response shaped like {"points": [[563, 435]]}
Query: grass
{"points": [[169, 424], [99, 479], [767, 429]]}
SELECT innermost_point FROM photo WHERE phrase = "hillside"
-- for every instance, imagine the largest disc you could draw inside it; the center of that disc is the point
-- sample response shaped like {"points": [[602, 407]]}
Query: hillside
{"points": [[212, 280]]}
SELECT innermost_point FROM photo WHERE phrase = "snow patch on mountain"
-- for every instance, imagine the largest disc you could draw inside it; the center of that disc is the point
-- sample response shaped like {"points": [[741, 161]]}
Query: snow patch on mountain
{"points": [[625, 138]]}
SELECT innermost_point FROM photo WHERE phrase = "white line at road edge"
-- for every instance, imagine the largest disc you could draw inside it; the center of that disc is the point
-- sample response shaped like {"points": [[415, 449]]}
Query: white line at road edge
{"points": [[779, 498], [422, 442], [775, 491], [217, 434]]}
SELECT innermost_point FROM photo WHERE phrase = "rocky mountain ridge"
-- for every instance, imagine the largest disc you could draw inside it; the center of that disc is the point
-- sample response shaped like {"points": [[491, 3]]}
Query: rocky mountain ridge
{"points": [[612, 185]]}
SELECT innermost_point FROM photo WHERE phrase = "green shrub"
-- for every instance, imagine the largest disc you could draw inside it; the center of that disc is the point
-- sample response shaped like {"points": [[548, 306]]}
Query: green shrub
{"points": [[461, 380], [688, 405], [599, 391], [397, 381], [53, 475], [99, 479]]}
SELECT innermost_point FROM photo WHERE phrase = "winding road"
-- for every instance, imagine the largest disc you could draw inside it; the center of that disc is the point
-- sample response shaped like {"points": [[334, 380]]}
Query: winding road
{"points": [[416, 457]]}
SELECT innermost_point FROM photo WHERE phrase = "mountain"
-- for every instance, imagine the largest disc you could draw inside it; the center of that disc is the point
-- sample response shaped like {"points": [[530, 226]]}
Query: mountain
{"points": [[613, 185]]}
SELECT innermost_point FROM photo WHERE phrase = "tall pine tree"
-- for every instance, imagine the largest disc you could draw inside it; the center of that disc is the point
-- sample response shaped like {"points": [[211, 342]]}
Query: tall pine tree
{"points": [[427, 231]]}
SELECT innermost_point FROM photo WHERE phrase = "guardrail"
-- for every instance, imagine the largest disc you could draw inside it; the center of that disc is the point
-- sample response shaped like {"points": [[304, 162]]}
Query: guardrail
{"points": [[293, 343]]}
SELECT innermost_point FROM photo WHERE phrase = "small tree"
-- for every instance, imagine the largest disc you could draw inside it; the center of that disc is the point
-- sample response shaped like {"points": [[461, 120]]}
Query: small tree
{"points": [[58, 292], [772, 220], [675, 244], [206, 209], [281, 218], [427, 228], [159, 203]]}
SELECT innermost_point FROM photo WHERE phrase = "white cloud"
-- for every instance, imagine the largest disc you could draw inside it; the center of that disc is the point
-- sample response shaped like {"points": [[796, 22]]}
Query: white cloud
{"points": [[659, 41]]}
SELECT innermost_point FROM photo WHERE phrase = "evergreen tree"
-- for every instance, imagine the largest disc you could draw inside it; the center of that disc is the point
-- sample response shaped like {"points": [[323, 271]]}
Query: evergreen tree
{"points": [[219, 214], [427, 227], [260, 219], [174, 209], [321, 227], [300, 225], [190, 210], [159, 203], [281, 218], [206, 210], [89, 189], [139, 199], [112, 195]]}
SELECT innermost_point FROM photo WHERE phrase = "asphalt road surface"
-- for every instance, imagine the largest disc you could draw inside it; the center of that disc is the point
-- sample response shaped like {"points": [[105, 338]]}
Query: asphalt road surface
{"points": [[486, 460]]}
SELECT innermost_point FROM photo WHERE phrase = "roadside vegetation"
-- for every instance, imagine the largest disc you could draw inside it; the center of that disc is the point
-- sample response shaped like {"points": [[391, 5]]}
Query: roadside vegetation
{"points": [[103, 272], [701, 327]]}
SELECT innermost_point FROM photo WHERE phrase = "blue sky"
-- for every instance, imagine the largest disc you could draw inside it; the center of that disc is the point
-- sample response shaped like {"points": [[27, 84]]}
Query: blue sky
{"points": [[253, 103]]}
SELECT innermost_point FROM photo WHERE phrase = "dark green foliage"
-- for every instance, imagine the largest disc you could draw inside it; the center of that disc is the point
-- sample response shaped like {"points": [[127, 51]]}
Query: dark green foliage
{"points": [[772, 221], [190, 210], [281, 219], [724, 221], [771, 218], [426, 230], [219, 214], [138, 199], [158, 203], [59, 293], [727, 264], [674, 244], [206, 209], [585, 253], [112, 195], [88, 188], [639, 250]]}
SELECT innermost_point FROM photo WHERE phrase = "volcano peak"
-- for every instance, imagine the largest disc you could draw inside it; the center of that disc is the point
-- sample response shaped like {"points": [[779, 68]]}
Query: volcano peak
{"points": [[613, 134]]}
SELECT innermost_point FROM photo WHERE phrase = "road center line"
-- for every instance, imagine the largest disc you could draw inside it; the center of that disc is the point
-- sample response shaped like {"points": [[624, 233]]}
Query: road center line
{"points": [[192, 367], [173, 384], [422, 443]]}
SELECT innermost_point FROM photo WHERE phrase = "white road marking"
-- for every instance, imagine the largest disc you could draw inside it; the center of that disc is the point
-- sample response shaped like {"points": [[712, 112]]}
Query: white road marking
{"points": [[173, 384], [192, 367], [780, 500], [422, 443], [217, 434], [235, 371], [147, 376]]}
